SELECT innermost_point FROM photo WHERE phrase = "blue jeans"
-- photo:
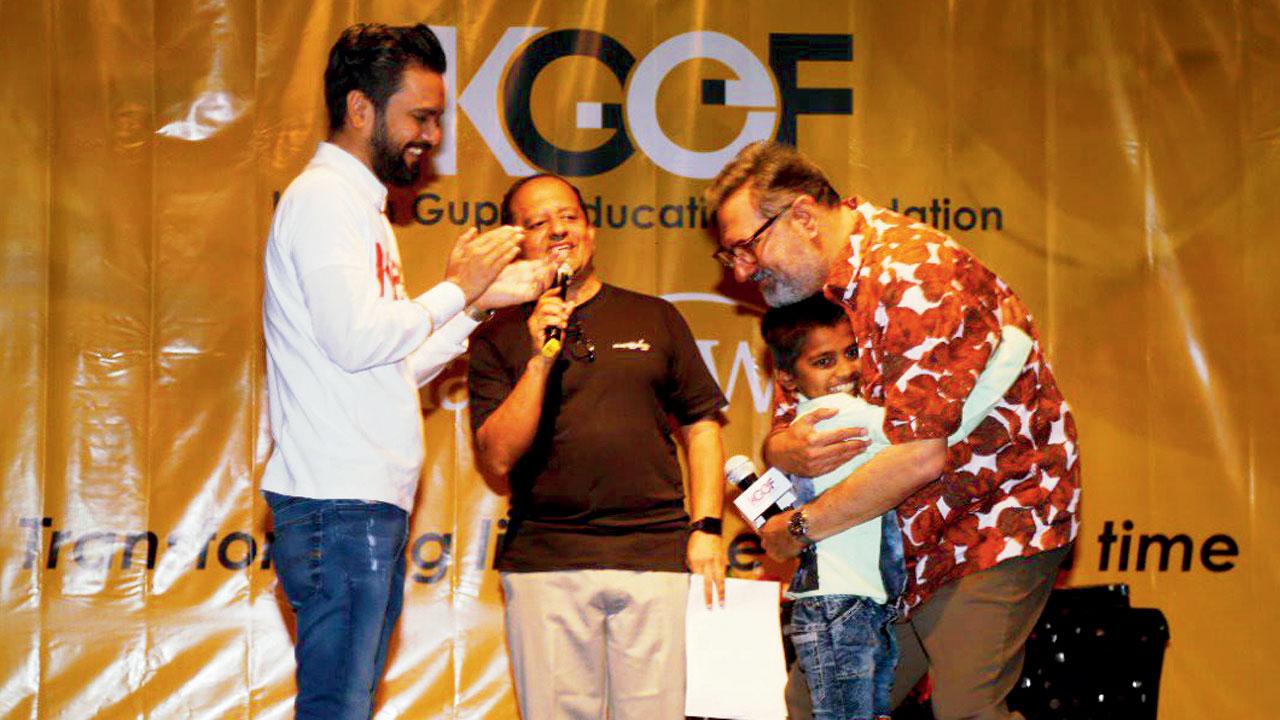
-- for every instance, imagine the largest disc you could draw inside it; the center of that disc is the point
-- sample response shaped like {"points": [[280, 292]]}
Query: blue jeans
{"points": [[847, 649], [341, 564]]}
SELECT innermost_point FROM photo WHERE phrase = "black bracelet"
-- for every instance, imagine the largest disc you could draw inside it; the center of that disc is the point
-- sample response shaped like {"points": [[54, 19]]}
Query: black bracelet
{"points": [[709, 525]]}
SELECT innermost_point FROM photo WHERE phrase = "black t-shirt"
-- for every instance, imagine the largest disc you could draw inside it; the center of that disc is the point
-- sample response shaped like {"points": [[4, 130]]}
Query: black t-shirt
{"points": [[600, 486]]}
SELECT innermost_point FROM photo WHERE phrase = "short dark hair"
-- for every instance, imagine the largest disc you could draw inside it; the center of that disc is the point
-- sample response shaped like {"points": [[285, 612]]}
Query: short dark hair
{"points": [[505, 215], [371, 58], [785, 327]]}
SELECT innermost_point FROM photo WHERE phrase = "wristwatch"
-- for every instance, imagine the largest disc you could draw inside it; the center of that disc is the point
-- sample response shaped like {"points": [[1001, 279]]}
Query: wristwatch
{"points": [[477, 314], [709, 525], [798, 527]]}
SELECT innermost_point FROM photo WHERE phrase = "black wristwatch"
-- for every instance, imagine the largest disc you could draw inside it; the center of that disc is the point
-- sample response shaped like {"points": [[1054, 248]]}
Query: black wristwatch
{"points": [[798, 527], [709, 525]]}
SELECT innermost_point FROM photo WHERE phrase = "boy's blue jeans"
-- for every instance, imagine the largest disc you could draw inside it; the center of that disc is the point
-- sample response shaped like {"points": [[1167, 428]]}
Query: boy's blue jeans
{"points": [[847, 649], [341, 564]]}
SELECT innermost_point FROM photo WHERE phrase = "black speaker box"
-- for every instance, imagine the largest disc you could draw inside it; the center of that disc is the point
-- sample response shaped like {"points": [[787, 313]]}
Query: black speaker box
{"points": [[1092, 657]]}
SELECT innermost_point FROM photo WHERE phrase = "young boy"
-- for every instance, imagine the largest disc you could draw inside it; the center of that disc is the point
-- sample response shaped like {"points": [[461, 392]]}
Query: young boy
{"points": [[843, 592]]}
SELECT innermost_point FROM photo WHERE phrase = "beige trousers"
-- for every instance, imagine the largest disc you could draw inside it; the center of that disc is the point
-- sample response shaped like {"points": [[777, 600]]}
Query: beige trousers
{"points": [[592, 644], [971, 634]]}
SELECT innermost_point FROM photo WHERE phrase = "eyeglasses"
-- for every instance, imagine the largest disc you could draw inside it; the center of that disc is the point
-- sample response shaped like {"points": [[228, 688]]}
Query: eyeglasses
{"points": [[579, 347], [745, 250]]}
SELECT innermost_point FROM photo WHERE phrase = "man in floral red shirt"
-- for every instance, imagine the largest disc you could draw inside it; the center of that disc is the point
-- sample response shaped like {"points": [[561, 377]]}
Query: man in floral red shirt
{"points": [[985, 522]]}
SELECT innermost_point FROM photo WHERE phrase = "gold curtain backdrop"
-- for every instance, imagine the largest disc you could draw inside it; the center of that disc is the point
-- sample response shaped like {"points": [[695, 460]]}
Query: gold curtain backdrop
{"points": [[1115, 162]]}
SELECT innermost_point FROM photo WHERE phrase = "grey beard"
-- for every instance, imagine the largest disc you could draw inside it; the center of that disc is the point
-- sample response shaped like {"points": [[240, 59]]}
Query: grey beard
{"points": [[785, 291]]}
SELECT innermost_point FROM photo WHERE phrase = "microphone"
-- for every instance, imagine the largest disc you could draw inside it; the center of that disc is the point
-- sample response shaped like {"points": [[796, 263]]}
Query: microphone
{"points": [[564, 275], [763, 496]]}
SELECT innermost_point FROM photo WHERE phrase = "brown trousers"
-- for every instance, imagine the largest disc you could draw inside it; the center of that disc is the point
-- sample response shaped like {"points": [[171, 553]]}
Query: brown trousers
{"points": [[971, 634]]}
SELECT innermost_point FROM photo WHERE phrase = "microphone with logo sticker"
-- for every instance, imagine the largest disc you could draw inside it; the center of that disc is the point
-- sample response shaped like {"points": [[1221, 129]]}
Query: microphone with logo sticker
{"points": [[763, 496], [555, 335]]}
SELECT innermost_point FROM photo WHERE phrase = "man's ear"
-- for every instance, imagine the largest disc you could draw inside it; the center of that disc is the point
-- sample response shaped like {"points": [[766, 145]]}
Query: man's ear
{"points": [[804, 212], [360, 111]]}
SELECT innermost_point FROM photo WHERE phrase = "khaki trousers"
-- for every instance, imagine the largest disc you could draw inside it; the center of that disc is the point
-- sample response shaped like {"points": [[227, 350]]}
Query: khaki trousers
{"points": [[589, 644], [970, 637]]}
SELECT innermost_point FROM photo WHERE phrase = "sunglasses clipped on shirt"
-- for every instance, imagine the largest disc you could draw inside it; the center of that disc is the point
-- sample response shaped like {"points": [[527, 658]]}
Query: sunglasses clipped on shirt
{"points": [[578, 346]]}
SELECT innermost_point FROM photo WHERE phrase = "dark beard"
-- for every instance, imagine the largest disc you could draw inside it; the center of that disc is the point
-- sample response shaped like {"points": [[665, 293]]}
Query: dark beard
{"points": [[388, 162]]}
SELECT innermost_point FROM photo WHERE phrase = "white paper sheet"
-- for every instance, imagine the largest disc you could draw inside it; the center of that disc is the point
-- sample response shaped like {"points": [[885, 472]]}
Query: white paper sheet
{"points": [[735, 667]]}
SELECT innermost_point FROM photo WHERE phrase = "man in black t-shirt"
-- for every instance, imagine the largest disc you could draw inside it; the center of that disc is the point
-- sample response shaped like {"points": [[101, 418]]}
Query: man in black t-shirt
{"points": [[595, 558]]}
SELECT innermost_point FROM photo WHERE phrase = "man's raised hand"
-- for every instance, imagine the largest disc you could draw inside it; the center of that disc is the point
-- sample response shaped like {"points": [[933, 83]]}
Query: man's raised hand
{"points": [[800, 449], [518, 282], [477, 259]]}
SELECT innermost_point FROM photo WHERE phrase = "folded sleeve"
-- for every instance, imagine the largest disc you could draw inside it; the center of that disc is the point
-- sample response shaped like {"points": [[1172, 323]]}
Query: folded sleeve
{"points": [[691, 392], [490, 378], [440, 348]]}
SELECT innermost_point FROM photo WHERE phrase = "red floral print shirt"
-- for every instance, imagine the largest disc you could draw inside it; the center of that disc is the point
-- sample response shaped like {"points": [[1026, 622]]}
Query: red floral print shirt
{"points": [[927, 316]]}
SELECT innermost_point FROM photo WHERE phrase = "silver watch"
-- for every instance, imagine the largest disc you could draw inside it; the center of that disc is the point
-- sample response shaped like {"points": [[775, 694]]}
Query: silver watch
{"points": [[798, 527], [477, 314]]}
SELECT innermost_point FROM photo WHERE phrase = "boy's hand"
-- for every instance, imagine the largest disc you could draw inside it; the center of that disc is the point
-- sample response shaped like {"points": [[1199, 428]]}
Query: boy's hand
{"points": [[801, 450]]}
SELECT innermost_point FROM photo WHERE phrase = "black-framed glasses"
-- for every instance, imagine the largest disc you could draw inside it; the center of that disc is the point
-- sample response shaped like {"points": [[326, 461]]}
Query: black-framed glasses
{"points": [[745, 250], [578, 346]]}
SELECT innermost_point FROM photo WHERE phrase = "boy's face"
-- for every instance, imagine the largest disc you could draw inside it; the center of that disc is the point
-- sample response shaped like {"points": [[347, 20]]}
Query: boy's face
{"points": [[828, 362]]}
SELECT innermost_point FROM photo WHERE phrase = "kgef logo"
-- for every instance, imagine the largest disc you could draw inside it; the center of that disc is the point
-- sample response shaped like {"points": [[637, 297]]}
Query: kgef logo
{"points": [[497, 99], [764, 490]]}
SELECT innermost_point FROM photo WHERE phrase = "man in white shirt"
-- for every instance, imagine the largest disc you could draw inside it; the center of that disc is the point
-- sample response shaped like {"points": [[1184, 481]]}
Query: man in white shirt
{"points": [[346, 352]]}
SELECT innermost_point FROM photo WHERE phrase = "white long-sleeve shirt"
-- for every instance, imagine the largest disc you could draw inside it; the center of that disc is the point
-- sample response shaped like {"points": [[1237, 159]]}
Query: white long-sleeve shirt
{"points": [[346, 348]]}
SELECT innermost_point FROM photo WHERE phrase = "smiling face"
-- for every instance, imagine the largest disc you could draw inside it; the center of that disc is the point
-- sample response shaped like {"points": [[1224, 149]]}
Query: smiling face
{"points": [[786, 262], [827, 363], [555, 224], [408, 127]]}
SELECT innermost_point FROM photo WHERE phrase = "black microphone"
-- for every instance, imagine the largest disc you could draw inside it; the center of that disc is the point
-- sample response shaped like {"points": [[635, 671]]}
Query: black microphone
{"points": [[763, 496], [564, 276]]}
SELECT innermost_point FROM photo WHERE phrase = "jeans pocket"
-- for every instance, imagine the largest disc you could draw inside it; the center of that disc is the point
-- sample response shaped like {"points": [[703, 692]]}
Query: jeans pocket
{"points": [[287, 510], [297, 552], [859, 637], [813, 656]]}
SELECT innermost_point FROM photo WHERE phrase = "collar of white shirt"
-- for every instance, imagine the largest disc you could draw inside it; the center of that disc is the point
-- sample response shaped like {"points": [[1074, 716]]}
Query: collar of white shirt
{"points": [[349, 167]]}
